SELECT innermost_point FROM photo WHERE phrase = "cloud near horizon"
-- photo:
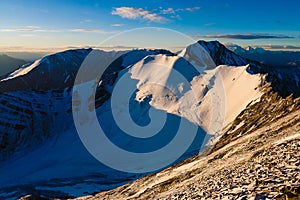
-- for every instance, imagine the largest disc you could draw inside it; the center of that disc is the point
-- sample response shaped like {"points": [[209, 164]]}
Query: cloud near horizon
{"points": [[264, 46], [80, 30], [249, 36], [138, 13], [34, 30], [27, 30], [168, 11], [117, 25], [278, 47]]}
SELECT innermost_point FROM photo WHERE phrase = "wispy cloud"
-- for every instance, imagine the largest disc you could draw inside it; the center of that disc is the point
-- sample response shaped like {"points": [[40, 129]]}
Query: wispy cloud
{"points": [[117, 25], [86, 21], [27, 35], [249, 36], [27, 30], [176, 17], [168, 11], [193, 9], [32, 27], [278, 47], [266, 46], [60, 48], [80, 30], [210, 24], [152, 15], [138, 13], [174, 13]]}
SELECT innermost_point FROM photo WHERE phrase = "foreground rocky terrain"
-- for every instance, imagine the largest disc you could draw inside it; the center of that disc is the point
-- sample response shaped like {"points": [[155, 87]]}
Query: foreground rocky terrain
{"points": [[260, 164]]}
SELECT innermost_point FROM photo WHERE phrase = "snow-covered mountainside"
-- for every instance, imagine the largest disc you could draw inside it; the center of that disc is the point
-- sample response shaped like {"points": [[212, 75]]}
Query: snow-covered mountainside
{"points": [[284, 80], [233, 80], [208, 86]]}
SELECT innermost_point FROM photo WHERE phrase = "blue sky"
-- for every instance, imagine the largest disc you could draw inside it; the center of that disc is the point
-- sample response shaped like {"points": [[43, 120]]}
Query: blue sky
{"points": [[28, 25]]}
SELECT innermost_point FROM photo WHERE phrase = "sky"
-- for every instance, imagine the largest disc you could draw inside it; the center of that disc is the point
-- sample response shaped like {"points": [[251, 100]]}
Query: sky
{"points": [[28, 25]]}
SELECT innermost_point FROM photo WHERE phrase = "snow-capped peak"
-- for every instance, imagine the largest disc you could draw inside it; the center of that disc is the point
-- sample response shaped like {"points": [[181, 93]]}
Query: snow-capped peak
{"points": [[198, 57]]}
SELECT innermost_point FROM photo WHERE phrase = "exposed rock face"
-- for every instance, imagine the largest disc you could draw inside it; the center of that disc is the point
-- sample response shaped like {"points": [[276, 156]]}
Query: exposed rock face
{"points": [[28, 118]]}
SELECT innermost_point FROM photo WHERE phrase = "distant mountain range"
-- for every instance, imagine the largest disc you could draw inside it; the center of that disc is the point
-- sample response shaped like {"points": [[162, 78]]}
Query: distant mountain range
{"points": [[9, 64], [25, 55], [268, 57]]}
